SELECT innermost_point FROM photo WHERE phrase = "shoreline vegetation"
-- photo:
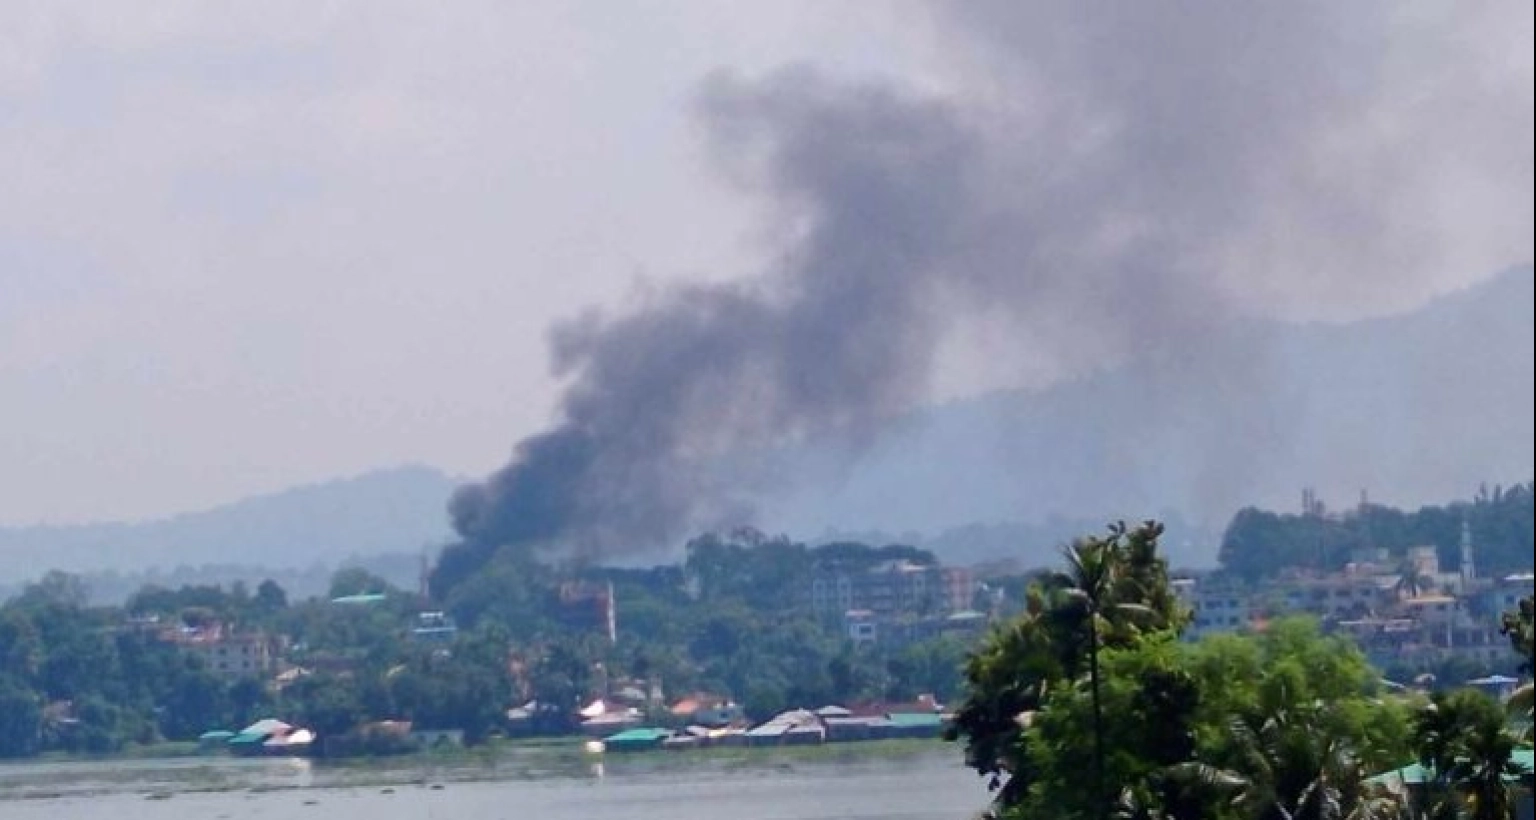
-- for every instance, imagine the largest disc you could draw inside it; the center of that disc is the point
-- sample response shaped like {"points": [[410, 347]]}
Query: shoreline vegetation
{"points": [[1090, 695]]}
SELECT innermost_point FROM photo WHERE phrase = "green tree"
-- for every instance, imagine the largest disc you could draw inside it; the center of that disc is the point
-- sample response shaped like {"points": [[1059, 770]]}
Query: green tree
{"points": [[21, 652], [21, 719], [1086, 586], [1411, 581], [1462, 739], [248, 701], [1519, 625], [1115, 595], [56, 588], [270, 598], [357, 581], [101, 728], [1243, 727], [328, 704], [195, 701], [1151, 705], [1294, 765]]}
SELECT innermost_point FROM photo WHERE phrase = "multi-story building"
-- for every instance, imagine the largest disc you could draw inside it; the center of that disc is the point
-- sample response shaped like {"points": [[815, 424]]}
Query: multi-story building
{"points": [[587, 605], [434, 627], [1438, 616], [1341, 596], [1503, 595], [1214, 607], [891, 589], [226, 653]]}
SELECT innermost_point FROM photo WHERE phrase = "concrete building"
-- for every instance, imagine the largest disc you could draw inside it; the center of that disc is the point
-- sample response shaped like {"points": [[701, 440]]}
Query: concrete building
{"points": [[591, 606], [893, 588], [1503, 595], [1214, 607], [227, 654]]}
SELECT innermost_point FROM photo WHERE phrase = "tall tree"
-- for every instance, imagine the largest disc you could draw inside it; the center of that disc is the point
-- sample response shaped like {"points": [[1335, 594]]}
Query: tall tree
{"points": [[1462, 740], [1113, 594], [1519, 625], [1087, 586]]}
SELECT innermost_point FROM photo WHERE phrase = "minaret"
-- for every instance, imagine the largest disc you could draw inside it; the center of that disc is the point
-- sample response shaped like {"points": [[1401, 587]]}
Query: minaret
{"points": [[1468, 568]]}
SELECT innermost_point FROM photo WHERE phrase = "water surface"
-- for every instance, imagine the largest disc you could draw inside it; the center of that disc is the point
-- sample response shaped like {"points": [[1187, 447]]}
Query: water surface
{"points": [[927, 784]]}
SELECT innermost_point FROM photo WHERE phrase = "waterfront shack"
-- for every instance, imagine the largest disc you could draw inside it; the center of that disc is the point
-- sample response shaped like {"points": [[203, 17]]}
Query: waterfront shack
{"points": [[635, 740]]}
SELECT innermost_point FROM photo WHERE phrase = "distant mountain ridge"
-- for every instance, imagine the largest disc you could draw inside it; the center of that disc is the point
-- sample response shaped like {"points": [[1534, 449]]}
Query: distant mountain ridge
{"points": [[1414, 408], [390, 511]]}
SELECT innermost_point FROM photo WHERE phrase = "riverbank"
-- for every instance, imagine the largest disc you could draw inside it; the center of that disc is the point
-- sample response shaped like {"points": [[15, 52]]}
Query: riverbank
{"points": [[519, 761], [520, 756], [783, 784]]}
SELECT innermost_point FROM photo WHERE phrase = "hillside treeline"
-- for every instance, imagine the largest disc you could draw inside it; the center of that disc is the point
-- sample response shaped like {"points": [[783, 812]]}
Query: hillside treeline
{"points": [[1259, 543]]}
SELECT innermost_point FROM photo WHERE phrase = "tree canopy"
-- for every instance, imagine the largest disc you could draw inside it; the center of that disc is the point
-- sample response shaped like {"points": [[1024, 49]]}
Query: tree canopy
{"points": [[1284, 724], [1259, 544]]}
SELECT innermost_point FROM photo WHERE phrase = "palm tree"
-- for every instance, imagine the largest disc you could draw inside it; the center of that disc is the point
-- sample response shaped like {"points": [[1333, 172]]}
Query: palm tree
{"points": [[1483, 775], [1086, 586], [1411, 581], [1111, 585], [1007, 679], [1463, 741], [1519, 707], [1287, 765], [1519, 625]]}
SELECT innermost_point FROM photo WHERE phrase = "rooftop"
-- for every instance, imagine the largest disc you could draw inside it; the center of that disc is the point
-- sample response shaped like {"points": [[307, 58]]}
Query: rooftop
{"points": [[1426, 600], [365, 598]]}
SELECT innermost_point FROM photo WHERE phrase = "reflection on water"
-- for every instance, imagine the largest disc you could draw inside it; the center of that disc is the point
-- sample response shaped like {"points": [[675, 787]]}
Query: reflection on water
{"points": [[544, 784], [303, 771]]}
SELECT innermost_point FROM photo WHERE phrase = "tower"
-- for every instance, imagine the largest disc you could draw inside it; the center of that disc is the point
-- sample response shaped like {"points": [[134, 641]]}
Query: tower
{"points": [[424, 578], [1468, 567]]}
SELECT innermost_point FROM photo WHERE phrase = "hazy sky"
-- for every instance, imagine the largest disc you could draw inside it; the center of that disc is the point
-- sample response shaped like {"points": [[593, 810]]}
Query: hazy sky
{"points": [[249, 245]]}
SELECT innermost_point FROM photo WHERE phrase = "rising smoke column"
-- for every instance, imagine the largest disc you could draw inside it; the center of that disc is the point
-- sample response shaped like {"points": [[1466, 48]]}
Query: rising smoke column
{"points": [[837, 335], [1109, 183]]}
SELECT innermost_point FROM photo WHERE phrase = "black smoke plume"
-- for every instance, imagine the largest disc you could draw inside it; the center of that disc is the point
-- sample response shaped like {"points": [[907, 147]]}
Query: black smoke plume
{"points": [[1109, 183]]}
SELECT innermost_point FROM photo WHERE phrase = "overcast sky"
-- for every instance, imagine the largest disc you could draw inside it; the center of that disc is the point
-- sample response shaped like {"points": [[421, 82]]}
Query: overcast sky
{"points": [[248, 245]]}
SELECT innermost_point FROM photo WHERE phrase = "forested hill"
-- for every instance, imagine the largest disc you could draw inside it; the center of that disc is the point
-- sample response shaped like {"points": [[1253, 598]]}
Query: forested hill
{"points": [[1258, 543]]}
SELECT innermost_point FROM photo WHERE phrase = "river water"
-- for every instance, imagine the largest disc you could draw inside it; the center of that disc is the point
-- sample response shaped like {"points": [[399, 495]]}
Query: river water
{"points": [[925, 784]]}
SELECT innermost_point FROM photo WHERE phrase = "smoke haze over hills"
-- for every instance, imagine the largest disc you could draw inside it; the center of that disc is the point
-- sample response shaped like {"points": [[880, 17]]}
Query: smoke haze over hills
{"points": [[391, 511], [1417, 408], [1113, 187], [247, 250]]}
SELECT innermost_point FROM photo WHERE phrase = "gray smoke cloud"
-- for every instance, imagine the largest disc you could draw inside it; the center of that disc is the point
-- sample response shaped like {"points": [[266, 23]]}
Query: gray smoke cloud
{"points": [[1109, 182]]}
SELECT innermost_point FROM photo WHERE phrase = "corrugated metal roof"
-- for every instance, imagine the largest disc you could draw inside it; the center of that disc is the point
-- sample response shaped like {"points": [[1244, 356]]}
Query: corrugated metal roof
{"points": [[913, 719], [1415, 773], [367, 598], [265, 726], [642, 735]]}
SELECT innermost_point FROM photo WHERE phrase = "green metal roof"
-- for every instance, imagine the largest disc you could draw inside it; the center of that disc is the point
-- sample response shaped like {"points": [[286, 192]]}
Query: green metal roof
{"points": [[1415, 773], [638, 736], [915, 719]]}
